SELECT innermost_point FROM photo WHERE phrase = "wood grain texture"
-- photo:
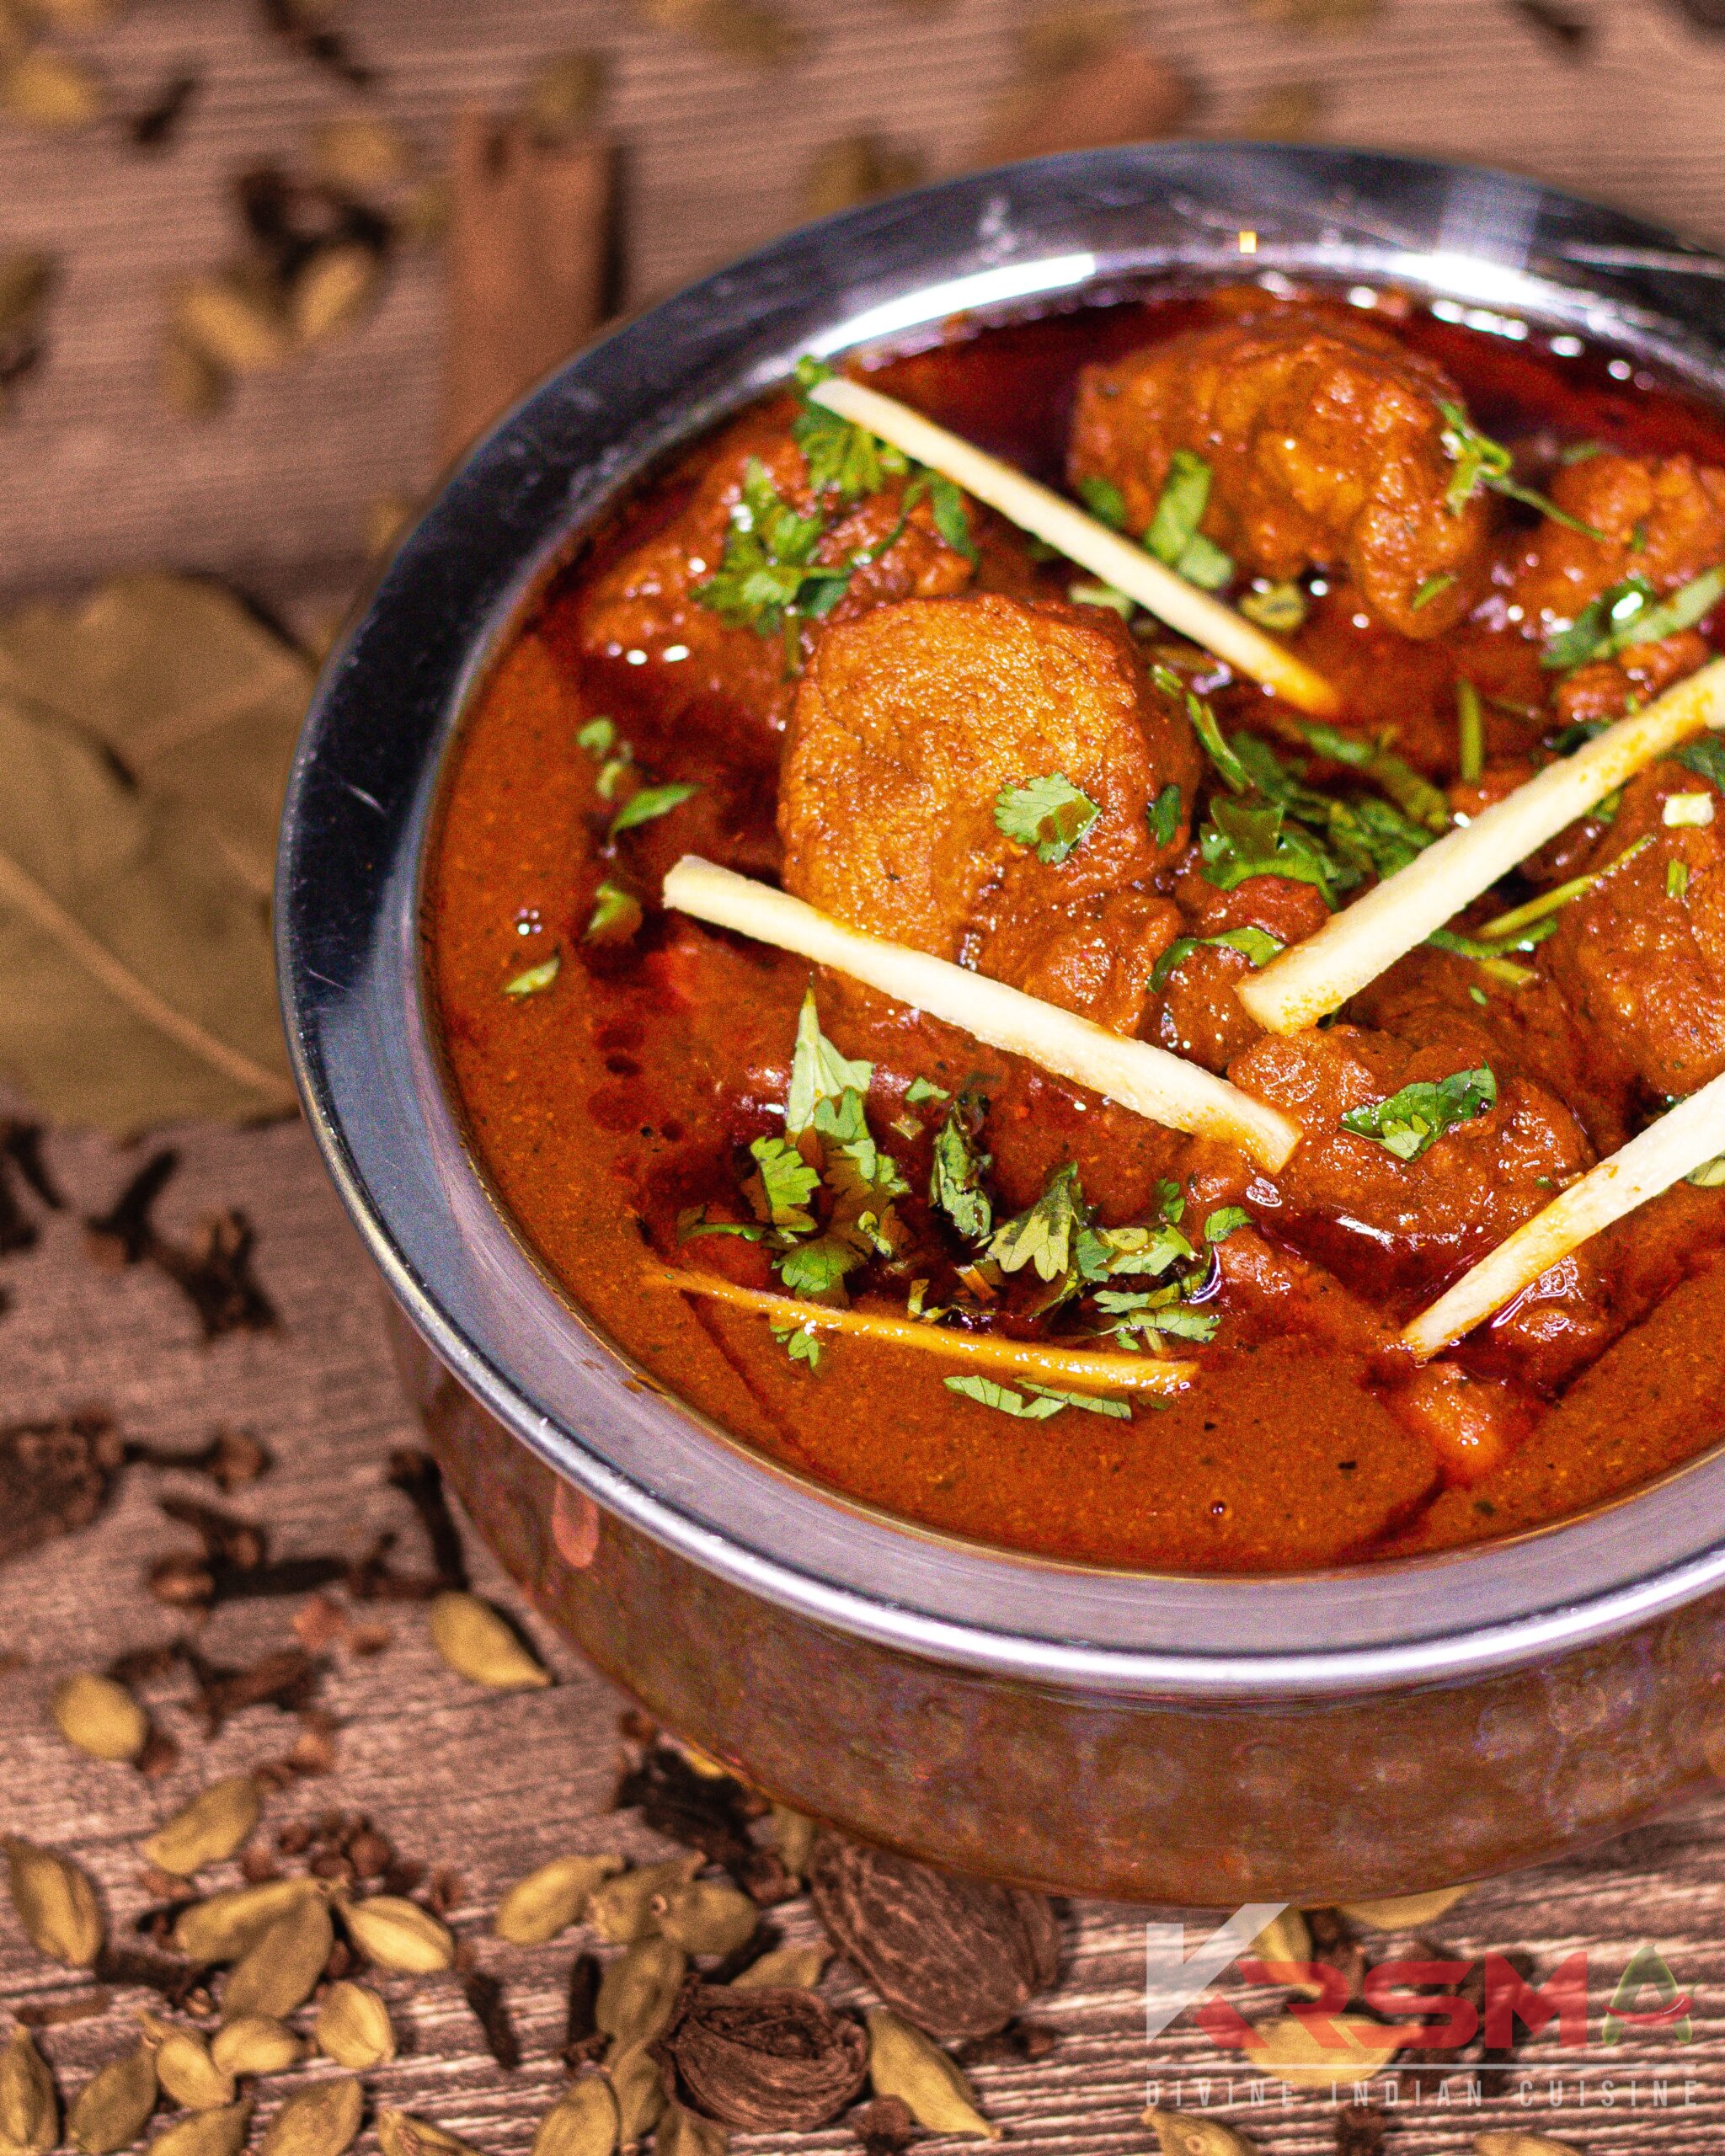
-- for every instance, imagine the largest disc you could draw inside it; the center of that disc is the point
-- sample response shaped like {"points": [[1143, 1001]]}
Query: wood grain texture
{"points": [[94, 476]]}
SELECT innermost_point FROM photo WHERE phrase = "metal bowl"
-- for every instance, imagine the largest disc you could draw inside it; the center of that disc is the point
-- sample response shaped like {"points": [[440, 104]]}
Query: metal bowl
{"points": [[1362, 1731]]}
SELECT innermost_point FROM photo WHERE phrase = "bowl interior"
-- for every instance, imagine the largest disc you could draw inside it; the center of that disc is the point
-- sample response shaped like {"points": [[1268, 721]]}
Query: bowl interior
{"points": [[1496, 250]]}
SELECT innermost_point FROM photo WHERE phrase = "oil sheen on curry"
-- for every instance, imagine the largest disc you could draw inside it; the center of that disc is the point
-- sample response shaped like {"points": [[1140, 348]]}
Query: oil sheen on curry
{"points": [[804, 657]]}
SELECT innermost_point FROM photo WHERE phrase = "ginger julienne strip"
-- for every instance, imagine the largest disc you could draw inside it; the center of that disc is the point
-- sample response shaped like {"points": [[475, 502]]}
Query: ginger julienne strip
{"points": [[1074, 1367], [1353, 947], [1086, 540], [1691, 1134], [1147, 1079]]}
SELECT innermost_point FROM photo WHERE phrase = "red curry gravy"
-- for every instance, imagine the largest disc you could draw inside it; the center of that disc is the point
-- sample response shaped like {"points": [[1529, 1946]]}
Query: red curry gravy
{"points": [[614, 1095]]}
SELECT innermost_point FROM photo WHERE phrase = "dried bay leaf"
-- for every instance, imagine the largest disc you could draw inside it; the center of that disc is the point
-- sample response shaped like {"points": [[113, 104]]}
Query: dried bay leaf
{"points": [[399, 1934], [136, 967], [113, 2107], [199, 701], [584, 2122], [98, 1716], [550, 1900], [767, 2060], [212, 1828], [801, 1967], [957, 1956], [320, 2121], [56, 1904], [30, 2103], [256, 2043], [353, 2027], [206, 2133], [1180, 2133], [477, 1644], [226, 1925], [903, 2063], [279, 1970]]}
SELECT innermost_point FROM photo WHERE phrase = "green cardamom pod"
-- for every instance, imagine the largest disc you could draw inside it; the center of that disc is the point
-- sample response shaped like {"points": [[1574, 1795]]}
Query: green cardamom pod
{"points": [[687, 2134], [1179, 2133], [638, 1992], [281, 1970], [30, 2103], [903, 2063], [799, 1969], [113, 2107], [400, 2134], [637, 2083], [321, 2120], [621, 1910], [255, 2043], [353, 2028], [56, 1902], [707, 1916], [206, 2133], [99, 1717], [550, 1900], [477, 1645], [399, 1934], [582, 2123], [225, 1926], [187, 2074], [212, 1828]]}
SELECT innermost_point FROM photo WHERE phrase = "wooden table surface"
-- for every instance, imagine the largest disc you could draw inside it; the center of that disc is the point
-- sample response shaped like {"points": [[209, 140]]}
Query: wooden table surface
{"points": [[95, 476]]}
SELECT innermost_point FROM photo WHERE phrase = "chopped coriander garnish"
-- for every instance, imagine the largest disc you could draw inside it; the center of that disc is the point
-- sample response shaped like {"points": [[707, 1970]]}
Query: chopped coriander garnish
{"points": [[946, 505], [1478, 994], [819, 1072], [1629, 613], [800, 1343], [1103, 594], [1410, 791], [1243, 840], [1105, 500], [1433, 587], [1578, 452], [651, 803], [955, 1182], [782, 1185], [1042, 1235], [1173, 536], [598, 737], [1480, 461], [1205, 727], [1676, 878], [811, 1270], [616, 915], [1281, 608], [1165, 814], [1035, 1403], [1412, 1120], [1050, 813], [536, 978], [1221, 1224], [769, 573], [1704, 755], [1691, 603], [924, 1089], [843, 458], [1258, 944], [1469, 731]]}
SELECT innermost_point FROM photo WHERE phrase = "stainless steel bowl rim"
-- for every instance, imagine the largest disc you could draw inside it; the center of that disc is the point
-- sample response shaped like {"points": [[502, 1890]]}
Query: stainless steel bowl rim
{"points": [[1497, 251]]}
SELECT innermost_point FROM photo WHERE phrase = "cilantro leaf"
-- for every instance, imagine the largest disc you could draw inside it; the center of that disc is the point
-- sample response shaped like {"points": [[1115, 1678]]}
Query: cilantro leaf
{"points": [[1704, 755], [800, 1343], [782, 1185], [1165, 814], [1283, 608], [598, 737], [1203, 563], [951, 519], [1204, 725], [1092, 1403], [1410, 790], [955, 1182], [1432, 587], [813, 1269], [535, 979], [1480, 461], [1412, 1120], [1042, 1235], [1258, 944], [817, 1072], [988, 1392], [843, 458], [1050, 813], [1242, 840], [1104, 1253], [651, 803], [768, 570], [1691, 603], [1221, 1224], [1182, 1324], [616, 915], [1105, 500], [1180, 507], [1593, 633], [924, 1089]]}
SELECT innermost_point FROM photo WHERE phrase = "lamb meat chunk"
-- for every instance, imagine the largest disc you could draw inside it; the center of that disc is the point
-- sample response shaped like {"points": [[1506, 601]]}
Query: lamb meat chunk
{"points": [[1198, 1013], [1387, 1221], [908, 726], [1662, 520], [1642, 955], [1607, 688], [1324, 441], [649, 603]]}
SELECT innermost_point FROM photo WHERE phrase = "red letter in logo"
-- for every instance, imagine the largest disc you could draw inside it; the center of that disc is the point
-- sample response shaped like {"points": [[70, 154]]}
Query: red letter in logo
{"points": [[1511, 1997], [1455, 2019]]}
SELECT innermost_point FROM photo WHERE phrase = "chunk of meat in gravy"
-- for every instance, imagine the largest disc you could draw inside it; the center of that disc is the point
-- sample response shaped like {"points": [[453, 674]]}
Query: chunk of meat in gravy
{"points": [[1661, 519], [1606, 688], [1198, 1013], [1385, 1221], [909, 724], [1324, 441], [648, 602], [1642, 955]]}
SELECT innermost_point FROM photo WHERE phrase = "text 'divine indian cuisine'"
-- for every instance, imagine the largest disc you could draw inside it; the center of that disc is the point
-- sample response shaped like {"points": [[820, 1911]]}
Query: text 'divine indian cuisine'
{"points": [[1111, 936]]}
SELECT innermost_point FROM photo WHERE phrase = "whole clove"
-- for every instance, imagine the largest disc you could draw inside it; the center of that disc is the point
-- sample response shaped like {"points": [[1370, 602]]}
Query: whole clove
{"points": [[125, 1233], [154, 127], [708, 1813], [21, 1146], [230, 1459], [304, 26], [486, 2002], [884, 2126], [285, 1678], [55, 1477], [214, 1273], [1360, 2129]]}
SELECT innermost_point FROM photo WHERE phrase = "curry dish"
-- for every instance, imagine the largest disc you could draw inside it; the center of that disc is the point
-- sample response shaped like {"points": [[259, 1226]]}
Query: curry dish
{"points": [[936, 1274]]}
